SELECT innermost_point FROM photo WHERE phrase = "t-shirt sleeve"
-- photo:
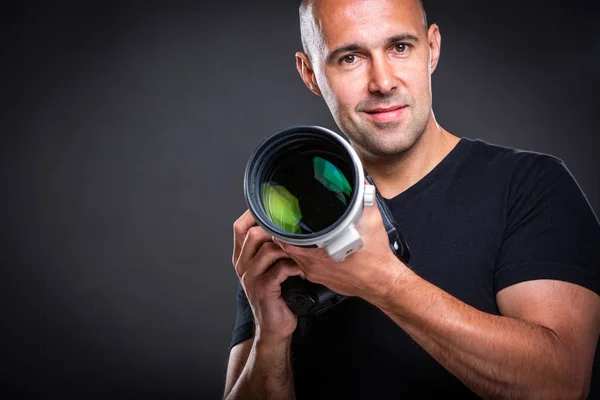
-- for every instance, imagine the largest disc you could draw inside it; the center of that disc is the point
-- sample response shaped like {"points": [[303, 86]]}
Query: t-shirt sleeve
{"points": [[551, 231], [244, 319]]}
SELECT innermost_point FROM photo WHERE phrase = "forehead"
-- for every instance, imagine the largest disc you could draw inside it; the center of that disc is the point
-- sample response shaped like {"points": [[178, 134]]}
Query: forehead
{"points": [[346, 21]]}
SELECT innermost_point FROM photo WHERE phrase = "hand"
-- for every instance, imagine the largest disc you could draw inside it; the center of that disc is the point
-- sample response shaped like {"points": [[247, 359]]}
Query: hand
{"points": [[262, 266], [365, 273]]}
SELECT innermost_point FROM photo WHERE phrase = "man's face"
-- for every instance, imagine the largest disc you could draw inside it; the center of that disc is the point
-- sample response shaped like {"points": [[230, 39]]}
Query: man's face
{"points": [[372, 64]]}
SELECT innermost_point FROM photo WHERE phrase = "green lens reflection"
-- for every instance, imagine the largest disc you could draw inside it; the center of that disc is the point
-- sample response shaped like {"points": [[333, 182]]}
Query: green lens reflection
{"points": [[282, 207], [306, 193], [332, 178]]}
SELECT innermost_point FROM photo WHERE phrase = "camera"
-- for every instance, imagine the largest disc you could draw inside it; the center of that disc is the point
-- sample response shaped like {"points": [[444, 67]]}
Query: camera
{"points": [[305, 186]]}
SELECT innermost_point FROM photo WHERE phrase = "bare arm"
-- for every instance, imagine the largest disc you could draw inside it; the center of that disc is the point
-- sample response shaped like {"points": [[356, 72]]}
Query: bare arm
{"points": [[541, 347], [260, 371], [237, 361], [260, 368]]}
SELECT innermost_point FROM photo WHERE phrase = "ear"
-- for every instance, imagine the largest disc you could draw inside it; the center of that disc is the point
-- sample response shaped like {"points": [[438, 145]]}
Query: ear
{"points": [[435, 44], [306, 73]]}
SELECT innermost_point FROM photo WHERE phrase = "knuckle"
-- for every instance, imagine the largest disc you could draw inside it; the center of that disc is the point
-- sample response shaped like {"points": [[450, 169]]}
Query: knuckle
{"points": [[245, 279], [237, 226], [238, 269], [254, 233], [240, 224]]}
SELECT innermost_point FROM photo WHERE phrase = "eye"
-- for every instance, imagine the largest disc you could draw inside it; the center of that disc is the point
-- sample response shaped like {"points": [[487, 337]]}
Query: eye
{"points": [[349, 59], [401, 47]]}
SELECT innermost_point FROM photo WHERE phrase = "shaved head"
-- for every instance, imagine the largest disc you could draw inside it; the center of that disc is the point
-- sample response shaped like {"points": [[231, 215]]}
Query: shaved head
{"points": [[310, 29], [371, 61]]}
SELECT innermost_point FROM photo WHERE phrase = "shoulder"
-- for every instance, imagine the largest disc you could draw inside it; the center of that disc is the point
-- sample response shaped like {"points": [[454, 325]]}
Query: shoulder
{"points": [[502, 155], [513, 165]]}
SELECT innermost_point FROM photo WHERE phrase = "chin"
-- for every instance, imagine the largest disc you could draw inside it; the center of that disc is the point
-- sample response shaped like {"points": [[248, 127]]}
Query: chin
{"points": [[382, 140], [390, 143], [385, 148]]}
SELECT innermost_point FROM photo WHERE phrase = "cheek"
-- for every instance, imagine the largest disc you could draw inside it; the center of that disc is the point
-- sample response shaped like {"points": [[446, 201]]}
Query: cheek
{"points": [[420, 85], [344, 93]]}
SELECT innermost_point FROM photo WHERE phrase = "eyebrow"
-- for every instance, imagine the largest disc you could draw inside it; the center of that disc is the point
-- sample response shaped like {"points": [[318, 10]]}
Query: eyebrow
{"points": [[357, 46]]}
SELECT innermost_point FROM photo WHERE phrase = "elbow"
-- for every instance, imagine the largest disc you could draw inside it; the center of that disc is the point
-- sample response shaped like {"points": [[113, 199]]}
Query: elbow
{"points": [[571, 392], [577, 388], [563, 385], [575, 393], [581, 391]]}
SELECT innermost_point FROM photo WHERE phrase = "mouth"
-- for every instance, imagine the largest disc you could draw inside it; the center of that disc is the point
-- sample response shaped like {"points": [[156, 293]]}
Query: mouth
{"points": [[385, 114]]}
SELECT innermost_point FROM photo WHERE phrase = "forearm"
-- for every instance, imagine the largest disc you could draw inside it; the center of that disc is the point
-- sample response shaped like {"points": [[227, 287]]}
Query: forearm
{"points": [[267, 373], [496, 356]]}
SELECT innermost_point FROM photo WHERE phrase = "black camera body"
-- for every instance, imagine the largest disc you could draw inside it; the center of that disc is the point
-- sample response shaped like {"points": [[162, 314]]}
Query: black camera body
{"points": [[307, 298]]}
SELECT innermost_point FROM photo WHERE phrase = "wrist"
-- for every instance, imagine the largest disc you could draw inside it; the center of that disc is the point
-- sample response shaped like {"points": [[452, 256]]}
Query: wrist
{"points": [[273, 361], [267, 345], [396, 282]]}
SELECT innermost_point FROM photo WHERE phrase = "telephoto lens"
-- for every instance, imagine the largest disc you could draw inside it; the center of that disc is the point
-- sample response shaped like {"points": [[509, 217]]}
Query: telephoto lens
{"points": [[305, 186]]}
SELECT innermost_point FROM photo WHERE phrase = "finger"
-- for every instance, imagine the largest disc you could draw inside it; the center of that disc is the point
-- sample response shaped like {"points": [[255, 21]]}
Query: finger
{"points": [[255, 238], [297, 251], [268, 254], [240, 229], [283, 270], [288, 248], [372, 214]]}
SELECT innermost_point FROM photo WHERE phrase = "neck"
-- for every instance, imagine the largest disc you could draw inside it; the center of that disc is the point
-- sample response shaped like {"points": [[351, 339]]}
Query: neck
{"points": [[394, 174]]}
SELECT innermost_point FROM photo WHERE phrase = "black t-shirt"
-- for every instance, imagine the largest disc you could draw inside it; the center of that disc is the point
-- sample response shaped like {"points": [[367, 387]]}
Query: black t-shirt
{"points": [[485, 218]]}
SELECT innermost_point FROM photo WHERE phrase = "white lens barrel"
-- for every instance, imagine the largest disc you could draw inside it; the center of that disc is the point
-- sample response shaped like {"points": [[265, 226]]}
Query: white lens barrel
{"points": [[348, 241], [342, 246], [343, 239]]}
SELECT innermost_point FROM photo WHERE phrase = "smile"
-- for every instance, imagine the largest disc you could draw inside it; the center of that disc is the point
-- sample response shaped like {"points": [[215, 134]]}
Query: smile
{"points": [[382, 115]]}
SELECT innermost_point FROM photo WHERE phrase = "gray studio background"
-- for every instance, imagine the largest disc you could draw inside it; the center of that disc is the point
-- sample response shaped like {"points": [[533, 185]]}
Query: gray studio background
{"points": [[125, 133]]}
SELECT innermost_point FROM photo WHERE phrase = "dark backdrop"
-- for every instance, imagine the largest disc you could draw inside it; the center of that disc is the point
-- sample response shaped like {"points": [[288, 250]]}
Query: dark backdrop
{"points": [[125, 132]]}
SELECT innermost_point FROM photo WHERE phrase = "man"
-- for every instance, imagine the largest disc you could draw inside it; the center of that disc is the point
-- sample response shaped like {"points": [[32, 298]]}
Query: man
{"points": [[500, 299]]}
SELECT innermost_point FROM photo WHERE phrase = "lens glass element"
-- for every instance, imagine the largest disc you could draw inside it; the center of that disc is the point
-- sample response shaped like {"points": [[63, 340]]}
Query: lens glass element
{"points": [[307, 192]]}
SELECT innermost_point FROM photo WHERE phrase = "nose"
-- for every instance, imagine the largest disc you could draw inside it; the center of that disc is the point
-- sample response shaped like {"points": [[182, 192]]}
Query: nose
{"points": [[382, 79]]}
